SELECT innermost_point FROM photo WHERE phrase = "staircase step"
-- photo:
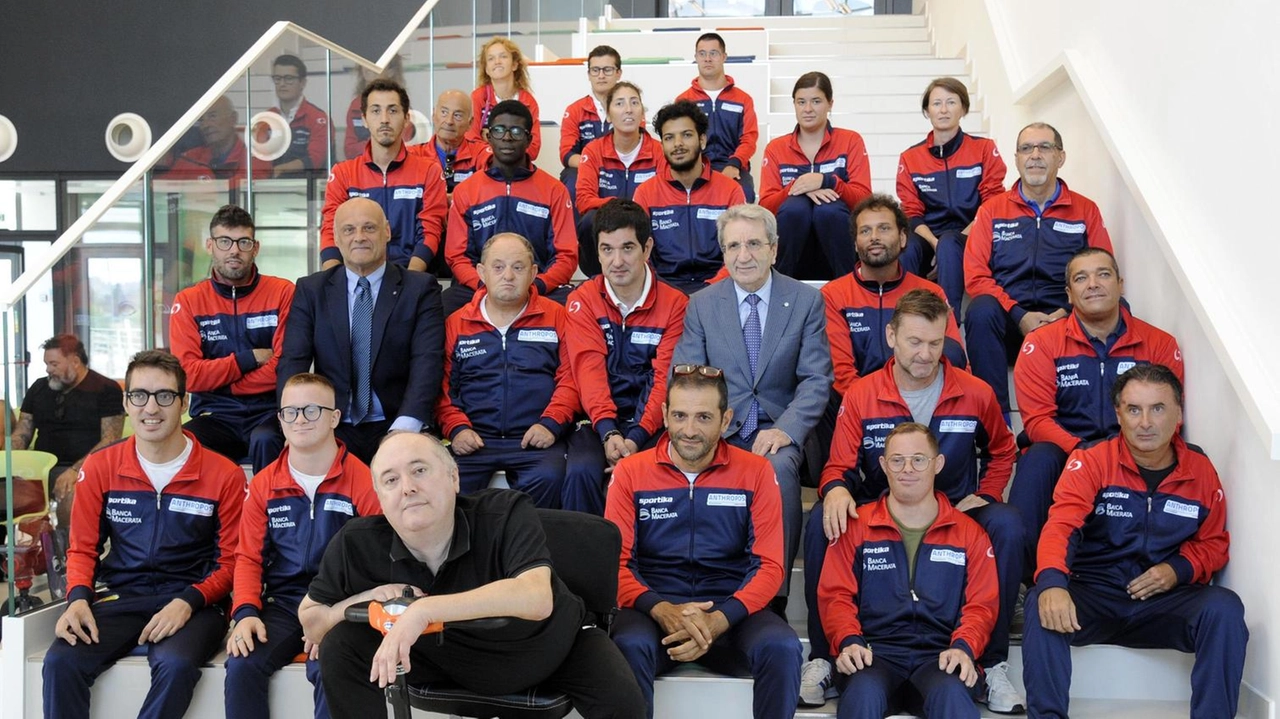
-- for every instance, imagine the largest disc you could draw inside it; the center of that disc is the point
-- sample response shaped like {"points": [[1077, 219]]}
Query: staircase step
{"points": [[794, 67], [786, 50], [850, 34]]}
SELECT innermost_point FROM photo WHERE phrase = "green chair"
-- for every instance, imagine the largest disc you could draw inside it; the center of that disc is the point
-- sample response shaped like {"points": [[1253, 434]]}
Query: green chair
{"points": [[33, 465]]}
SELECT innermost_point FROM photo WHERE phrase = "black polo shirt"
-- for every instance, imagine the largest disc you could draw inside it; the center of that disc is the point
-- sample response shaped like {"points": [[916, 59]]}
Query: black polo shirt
{"points": [[496, 535], [69, 423]]}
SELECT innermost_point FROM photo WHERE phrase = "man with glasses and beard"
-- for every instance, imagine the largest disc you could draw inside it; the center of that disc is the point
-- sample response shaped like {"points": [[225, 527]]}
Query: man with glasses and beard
{"points": [[227, 331], [74, 410]]}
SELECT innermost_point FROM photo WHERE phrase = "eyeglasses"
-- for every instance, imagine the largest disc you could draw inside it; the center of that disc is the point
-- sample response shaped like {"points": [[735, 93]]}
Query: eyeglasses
{"points": [[310, 412], [246, 244], [1044, 148], [688, 369], [753, 246], [501, 131], [709, 54], [606, 71], [898, 462], [285, 79], [140, 397]]}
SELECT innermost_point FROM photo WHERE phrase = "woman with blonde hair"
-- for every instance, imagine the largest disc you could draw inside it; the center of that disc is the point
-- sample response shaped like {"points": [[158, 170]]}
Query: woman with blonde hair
{"points": [[502, 74]]}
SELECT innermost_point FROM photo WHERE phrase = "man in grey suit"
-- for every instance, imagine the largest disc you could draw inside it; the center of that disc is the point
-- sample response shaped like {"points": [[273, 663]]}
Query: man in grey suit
{"points": [[768, 333]]}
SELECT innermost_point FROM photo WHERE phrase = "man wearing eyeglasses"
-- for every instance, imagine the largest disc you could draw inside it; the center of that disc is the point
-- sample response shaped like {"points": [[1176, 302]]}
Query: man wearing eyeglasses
{"points": [[170, 510], [408, 186], [373, 329], [1016, 257], [457, 152], [228, 331], [510, 194], [908, 593], [920, 385], [309, 128], [702, 551], [293, 508], [587, 118], [731, 140], [75, 412]]}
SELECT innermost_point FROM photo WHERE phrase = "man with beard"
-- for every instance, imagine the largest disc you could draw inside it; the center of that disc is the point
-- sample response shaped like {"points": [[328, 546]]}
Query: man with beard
{"points": [[684, 202], [227, 332], [409, 187], [860, 304], [75, 410], [508, 396], [702, 551]]}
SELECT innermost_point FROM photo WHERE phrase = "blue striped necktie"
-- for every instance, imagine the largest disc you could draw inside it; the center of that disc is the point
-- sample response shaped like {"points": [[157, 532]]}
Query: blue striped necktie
{"points": [[751, 333], [362, 351]]}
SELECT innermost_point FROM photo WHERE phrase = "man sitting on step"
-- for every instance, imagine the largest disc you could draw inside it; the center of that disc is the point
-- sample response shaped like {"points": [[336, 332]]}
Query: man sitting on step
{"points": [[1136, 532], [908, 594]]}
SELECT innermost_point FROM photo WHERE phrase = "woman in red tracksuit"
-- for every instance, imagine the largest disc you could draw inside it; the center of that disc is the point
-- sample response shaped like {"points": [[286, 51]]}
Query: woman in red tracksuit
{"points": [[812, 179], [502, 74], [614, 166]]}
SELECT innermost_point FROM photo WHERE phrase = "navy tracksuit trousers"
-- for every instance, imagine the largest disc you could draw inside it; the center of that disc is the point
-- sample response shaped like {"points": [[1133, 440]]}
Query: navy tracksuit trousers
{"points": [[245, 689]]}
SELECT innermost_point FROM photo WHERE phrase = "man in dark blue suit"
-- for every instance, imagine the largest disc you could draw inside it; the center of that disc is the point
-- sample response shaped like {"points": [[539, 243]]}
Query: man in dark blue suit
{"points": [[374, 329], [768, 333]]}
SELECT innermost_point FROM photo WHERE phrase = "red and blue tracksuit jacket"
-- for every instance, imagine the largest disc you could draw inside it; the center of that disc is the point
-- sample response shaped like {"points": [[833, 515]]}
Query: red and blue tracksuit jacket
{"points": [[858, 310], [1063, 377], [717, 538], [602, 176], [621, 365], [214, 329], [470, 155], [685, 246], [942, 187], [283, 535], [967, 422], [199, 163], [1105, 527], [357, 134], [483, 100], [181, 541], [1019, 255], [411, 192], [732, 134], [580, 125], [500, 386], [309, 136], [842, 160], [866, 595], [532, 204]]}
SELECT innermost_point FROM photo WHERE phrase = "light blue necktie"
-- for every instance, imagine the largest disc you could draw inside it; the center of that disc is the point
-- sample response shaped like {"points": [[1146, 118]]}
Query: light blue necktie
{"points": [[751, 333], [362, 351]]}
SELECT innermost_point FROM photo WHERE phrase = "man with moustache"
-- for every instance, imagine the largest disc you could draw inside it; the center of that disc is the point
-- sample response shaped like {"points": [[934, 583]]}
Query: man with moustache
{"points": [[683, 203], [702, 551], [624, 325], [1017, 253], [409, 187], [227, 332]]}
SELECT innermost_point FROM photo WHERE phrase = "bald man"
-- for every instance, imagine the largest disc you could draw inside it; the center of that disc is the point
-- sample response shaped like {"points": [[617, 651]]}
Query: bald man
{"points": [[457, 153], [373, 328], [222, 154]]}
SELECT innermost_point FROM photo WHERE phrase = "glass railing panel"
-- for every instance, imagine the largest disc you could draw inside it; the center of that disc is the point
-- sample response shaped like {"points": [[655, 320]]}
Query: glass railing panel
{"points": [[28, 206]]}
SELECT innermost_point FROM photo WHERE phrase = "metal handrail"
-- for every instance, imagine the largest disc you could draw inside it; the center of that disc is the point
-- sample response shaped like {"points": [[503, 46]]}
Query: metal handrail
{"points": [[138, 169]]}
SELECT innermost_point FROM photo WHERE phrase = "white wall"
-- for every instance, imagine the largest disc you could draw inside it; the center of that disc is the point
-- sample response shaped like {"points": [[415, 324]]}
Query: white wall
{"points": [[1169, 115]]}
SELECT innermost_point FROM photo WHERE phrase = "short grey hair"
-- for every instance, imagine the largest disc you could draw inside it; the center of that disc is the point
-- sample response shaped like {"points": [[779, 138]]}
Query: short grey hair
{"points": [[748, 213]]}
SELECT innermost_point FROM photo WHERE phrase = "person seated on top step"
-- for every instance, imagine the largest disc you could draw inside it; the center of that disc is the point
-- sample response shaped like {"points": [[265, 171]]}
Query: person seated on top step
{"points": [[733, 134], [920, 385], [510, 194], [684, 201], [170, 510], [702, 551], [614, 166], [1064, 376], [811, 179], [623, 329], [1136, 532], [1016, 256], [908, 593], [228, 332], [291, 511], [508, 398], [461, 557], [408, 186], [587, 118], [502, 74], [942, 181]]}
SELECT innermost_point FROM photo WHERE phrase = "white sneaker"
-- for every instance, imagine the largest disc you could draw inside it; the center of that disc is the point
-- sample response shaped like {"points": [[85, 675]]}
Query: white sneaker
{"points": [[1002, 696], [815, 679]]}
